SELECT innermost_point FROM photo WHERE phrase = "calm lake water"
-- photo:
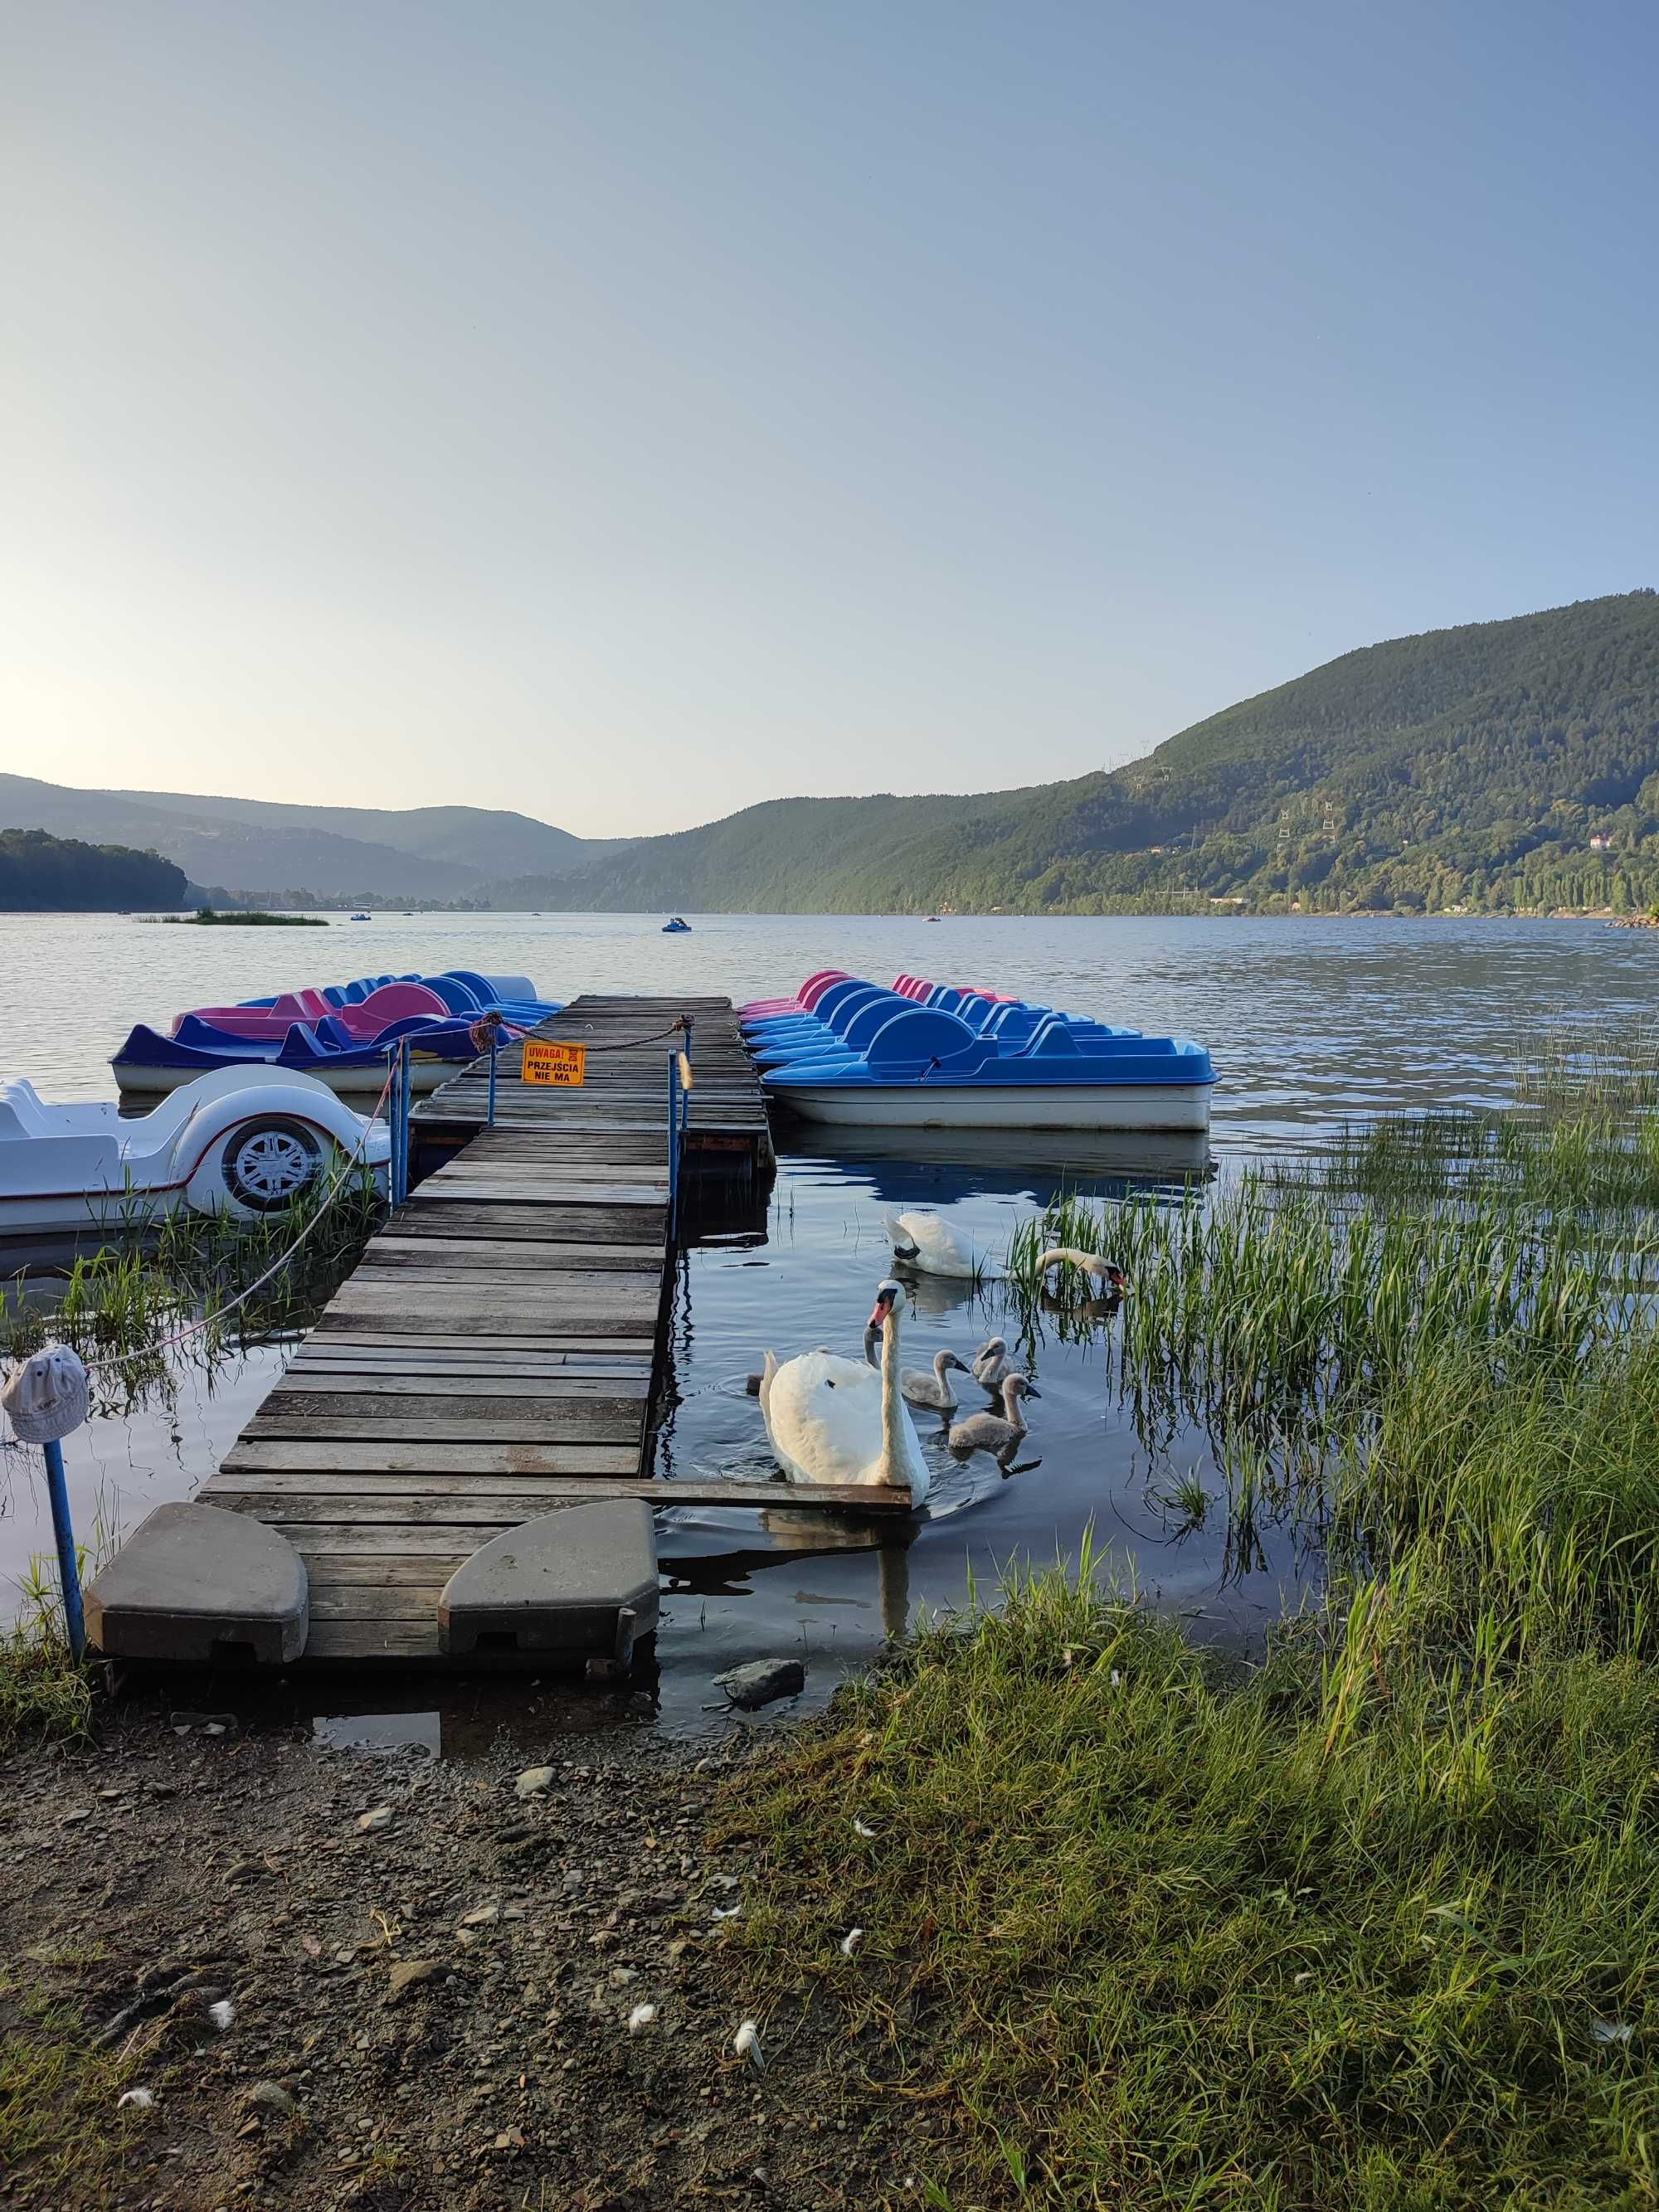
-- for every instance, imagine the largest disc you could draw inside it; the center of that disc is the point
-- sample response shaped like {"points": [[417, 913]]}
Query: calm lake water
{"points": [[1308, 1021]]}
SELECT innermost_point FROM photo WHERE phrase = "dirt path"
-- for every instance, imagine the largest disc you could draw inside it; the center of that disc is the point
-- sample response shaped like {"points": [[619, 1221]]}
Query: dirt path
{"points": [[430, 2012]]}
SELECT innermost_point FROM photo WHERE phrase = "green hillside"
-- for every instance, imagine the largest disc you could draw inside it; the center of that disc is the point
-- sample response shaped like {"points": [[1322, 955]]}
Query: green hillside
{"points": [[294, 854], [1465, 767], [59, 875]]}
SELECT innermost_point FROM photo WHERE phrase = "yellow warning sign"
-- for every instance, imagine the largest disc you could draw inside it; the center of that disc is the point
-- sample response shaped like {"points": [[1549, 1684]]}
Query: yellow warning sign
{"points": [[565, 1065]]}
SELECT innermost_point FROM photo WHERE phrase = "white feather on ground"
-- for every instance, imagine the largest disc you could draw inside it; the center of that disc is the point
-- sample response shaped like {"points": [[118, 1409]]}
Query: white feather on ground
{"points": [[140, 2100], [746, 2043], [641, 2017]]}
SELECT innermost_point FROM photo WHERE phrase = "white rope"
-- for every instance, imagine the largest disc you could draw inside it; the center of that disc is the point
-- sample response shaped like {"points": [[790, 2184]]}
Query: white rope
{"points": [[221, 1313]]}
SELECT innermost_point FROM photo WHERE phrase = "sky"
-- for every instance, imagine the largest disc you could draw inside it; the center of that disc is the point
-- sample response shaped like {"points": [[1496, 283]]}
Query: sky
{"points": [[623, 411]]}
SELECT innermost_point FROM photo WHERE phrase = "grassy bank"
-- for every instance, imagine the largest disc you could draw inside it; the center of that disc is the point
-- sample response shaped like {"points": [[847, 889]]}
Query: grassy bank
{"points": [[1370, 1922]]}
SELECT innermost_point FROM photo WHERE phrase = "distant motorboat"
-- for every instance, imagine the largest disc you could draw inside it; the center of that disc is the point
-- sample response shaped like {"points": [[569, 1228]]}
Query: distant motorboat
{"points": [[360, 917], [675, 926], [242, 1141]]}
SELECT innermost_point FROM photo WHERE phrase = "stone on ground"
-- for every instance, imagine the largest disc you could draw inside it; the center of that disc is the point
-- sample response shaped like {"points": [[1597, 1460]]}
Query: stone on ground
{"points": [[762, 1681]]}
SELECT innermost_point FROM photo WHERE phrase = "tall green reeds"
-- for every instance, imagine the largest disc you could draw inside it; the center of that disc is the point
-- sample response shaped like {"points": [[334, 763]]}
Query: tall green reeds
{"points": [[1264, 1305]]}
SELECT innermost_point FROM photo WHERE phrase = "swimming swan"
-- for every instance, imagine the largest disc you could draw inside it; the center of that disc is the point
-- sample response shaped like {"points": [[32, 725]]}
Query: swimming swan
{"points": [[991, 1365], [985, 1432], [837, 1420], [1109, 1278], [928, 1242], [927, 1387], [756, 1384]]}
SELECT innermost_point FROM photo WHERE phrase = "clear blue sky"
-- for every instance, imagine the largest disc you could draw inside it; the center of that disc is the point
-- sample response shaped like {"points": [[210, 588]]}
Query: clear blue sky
{"points": [[627, 412]]}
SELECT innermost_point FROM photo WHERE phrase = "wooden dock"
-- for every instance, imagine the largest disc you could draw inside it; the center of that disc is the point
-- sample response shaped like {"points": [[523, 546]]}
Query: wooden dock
{"points": [[494, 1355], [625, 1095]]}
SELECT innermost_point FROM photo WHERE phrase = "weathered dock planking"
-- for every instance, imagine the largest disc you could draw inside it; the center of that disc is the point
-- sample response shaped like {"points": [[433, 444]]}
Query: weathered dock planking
{"points": [[494, 1354], [624, 1098]]}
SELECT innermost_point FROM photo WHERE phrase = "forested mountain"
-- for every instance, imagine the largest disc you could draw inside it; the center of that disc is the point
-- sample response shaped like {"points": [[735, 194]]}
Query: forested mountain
{"points": [[60, 875], [258, 846], [1511, 763], [1508, 764]]}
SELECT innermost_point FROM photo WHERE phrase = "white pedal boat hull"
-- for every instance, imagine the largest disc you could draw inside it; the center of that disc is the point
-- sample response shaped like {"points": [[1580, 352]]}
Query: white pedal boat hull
{"points": [[242, 1141], [138, 1079], [1182, 1107]]}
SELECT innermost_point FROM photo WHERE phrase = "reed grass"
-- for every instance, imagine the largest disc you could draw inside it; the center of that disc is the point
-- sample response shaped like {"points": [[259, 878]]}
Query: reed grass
{"points": [[1586, 1164], [1590, 1068], [120, 1305], [1370, 1923]]}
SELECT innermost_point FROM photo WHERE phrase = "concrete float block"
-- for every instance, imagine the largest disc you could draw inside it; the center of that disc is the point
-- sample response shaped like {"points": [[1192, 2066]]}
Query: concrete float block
{"points": [[192, 1580], [582, 1581]]}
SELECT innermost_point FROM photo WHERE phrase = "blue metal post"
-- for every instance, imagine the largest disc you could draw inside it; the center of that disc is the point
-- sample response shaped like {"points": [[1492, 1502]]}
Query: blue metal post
{"points": [[69, 1570], [495, 1046], [673, 1142]]}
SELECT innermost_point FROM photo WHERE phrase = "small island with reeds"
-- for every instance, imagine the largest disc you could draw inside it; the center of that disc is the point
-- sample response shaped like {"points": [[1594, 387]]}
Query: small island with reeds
{"points": [[211, 917]]}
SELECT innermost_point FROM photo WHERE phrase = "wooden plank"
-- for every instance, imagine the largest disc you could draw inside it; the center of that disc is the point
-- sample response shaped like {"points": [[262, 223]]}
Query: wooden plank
{"points": [[348, 1458], [330, 1331], [400, 1601], [601, 1390], [510, 1256], [609, 1225], [340, 1348], [492, 1190], [406, 1499], [402, 1640], [548, 1424]]}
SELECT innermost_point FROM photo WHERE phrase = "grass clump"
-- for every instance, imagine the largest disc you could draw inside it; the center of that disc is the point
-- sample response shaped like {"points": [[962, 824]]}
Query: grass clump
{"points": [[61, 2136], [1363, 1927], [42, 1690], [1370, 1923]]}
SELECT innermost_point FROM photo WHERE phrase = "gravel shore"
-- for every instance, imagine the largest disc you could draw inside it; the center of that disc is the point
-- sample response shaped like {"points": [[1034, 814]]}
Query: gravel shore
{"points": [[430, 1970]]}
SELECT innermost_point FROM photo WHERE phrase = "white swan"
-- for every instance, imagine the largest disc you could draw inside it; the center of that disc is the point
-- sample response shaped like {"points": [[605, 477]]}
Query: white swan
{"points": [[928, 1242], [985, 1432], [991, 1365], [1109, 1278], [756, 1384], [924, 1386], [837, 1420]]}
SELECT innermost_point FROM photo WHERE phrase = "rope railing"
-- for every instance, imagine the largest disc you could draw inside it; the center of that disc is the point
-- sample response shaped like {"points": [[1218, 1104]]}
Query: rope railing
{"points": [[219, 1314]]}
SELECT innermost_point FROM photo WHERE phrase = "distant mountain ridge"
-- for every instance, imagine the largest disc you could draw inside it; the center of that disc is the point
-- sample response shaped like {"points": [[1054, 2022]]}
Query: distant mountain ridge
{"points": [[252, 845], [1512, 763]]}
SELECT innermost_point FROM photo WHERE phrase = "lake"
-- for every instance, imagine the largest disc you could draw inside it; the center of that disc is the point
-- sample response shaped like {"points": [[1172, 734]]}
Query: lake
{"points": [[1309, 1021]]}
